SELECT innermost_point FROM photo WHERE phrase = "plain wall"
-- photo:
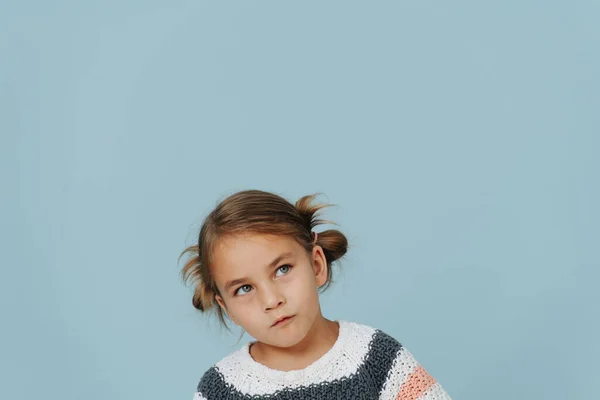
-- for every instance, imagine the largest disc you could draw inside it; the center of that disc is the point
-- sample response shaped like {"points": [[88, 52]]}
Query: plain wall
{"points": [[458, 139]]}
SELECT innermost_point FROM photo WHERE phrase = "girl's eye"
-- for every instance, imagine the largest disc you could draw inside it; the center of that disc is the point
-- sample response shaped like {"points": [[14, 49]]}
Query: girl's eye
{"points": [[242, 291], [284, 269]]}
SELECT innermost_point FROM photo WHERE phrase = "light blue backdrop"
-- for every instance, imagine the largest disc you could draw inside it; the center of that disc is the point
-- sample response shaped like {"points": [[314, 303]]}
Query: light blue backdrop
{"points": [[460, 140]]}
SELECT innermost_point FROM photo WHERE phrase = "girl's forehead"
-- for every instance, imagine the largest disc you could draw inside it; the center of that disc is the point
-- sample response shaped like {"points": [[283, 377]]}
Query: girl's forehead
{"points": [[251, 248]]}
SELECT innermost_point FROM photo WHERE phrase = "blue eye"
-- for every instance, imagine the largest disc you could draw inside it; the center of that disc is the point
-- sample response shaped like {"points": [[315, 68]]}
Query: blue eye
{"points": [[284, 268], [241, 289], [245, 289]]}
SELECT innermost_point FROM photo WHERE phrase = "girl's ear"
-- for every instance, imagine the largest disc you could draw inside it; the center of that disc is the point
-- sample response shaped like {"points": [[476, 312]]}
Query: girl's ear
{"points": [[224, 307], [319, 265], [221, 302]]}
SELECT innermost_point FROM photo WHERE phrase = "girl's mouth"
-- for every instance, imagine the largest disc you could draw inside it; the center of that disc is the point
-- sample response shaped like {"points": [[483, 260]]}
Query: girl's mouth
{"points": [[282, 321]]}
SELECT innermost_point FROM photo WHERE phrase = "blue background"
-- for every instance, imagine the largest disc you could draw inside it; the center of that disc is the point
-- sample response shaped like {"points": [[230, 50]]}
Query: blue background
{"points": [[459, 140]]}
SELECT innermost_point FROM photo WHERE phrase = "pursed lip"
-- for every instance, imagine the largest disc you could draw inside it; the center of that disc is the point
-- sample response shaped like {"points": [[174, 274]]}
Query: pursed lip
{"points": [[278, 320]]}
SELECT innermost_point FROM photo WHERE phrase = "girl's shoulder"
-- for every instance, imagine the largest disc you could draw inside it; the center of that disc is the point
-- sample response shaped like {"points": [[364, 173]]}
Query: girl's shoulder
{"points": [[374, 340], [396, 371], [227, 368]]}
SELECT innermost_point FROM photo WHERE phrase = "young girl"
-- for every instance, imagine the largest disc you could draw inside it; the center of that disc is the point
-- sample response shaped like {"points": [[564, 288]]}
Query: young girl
{"points": [[260, 263]]}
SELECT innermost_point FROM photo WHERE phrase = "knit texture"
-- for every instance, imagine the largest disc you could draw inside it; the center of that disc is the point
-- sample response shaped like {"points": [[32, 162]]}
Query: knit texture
{"points": [[364, 363]]}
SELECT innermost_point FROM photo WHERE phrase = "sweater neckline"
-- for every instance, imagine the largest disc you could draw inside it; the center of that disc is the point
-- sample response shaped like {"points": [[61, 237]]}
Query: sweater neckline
{"points": [[318, 367]]}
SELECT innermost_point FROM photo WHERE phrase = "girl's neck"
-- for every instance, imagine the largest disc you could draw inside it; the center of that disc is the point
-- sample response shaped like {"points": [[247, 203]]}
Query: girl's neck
{"points": [[319, 340]]}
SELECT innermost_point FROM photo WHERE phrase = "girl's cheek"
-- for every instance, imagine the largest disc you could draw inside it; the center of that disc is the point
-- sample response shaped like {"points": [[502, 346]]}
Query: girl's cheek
{"points": [[247, 300]]}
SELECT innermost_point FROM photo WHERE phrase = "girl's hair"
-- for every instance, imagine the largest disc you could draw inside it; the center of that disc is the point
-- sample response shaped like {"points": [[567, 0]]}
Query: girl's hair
{"points": [[255, 211]]}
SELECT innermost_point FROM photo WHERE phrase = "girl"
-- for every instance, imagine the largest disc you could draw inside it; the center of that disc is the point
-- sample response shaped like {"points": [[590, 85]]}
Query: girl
{"points": [[260, 262]]}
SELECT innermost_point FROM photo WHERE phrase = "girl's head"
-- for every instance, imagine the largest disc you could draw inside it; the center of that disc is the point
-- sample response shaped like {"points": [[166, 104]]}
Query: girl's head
{"points": [[258, 259]]}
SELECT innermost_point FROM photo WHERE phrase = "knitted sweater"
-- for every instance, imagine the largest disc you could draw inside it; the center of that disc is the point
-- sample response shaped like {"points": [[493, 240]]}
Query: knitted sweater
{"points": [[364, 363]]}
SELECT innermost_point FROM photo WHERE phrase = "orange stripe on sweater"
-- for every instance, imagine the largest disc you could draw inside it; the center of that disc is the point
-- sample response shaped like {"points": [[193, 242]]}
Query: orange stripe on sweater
{"points": [[417, 382]]}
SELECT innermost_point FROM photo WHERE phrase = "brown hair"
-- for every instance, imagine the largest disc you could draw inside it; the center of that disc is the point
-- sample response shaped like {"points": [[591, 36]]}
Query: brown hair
{"points": [[256, 211]]}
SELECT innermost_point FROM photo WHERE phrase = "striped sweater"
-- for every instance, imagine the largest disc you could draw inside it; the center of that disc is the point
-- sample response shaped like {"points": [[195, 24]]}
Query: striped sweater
{"points": [[364, 363]]}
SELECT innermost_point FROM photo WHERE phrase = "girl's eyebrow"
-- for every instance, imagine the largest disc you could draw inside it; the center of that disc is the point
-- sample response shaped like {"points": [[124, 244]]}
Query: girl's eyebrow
{"points": [[273, 263], [279, 258]]}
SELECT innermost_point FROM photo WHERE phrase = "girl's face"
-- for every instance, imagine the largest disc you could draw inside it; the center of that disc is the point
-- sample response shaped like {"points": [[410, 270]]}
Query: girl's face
{"points": [[263, 278]]}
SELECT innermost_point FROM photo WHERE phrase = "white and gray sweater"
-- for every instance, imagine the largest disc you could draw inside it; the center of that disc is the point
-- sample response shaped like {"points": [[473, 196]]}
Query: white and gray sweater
{"points": [[364, 363]]}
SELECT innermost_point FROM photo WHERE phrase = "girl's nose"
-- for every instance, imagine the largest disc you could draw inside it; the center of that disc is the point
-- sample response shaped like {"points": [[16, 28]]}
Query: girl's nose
{"points": [[272, 298]]}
